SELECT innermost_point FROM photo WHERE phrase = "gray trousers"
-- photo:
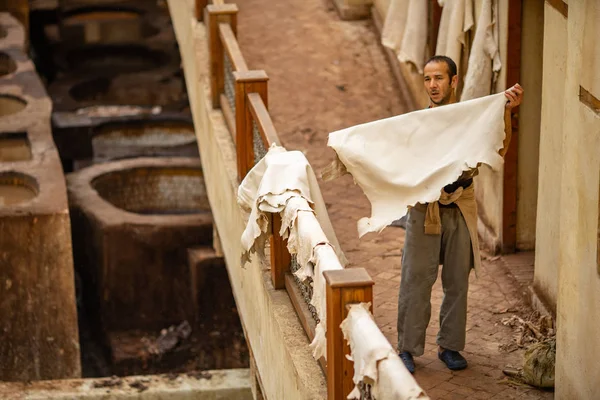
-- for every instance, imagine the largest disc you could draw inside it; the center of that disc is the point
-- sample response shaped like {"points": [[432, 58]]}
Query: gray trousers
{"points": [[421, 258]]}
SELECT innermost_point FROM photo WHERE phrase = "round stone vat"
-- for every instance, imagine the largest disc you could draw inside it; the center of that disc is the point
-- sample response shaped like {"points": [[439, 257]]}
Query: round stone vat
{"points": [[133, 221], [7, 64], [115, 58], [17, 188], [105, 25], [154, 190], [14, 147], [11, 104], [99, 14], [158, 138]]}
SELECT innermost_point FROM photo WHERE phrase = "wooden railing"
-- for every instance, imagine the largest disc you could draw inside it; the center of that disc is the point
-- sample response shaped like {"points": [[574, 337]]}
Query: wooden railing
{"points": [[242, 95]]}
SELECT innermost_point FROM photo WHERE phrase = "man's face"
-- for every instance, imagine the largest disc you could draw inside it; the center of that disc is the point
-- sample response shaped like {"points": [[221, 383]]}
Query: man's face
{"points": [[437, 83]]}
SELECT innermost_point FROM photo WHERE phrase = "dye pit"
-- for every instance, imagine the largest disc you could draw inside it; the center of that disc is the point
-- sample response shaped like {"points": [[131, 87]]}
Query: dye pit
{"points": [[212, 336], [10, 105], [14, 147], [16, 188]]}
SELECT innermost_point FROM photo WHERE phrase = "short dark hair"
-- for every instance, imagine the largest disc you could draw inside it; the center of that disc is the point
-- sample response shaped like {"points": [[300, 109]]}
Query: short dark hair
{"points": [[452, 71]]}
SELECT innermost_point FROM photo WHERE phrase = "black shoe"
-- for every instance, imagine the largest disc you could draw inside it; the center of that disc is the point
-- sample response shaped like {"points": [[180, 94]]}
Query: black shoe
{"points": [[452, 359], [408, 361]]}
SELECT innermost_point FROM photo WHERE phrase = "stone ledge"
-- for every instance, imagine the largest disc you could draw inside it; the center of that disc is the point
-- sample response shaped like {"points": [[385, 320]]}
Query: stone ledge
{"points": [[231, 384]]}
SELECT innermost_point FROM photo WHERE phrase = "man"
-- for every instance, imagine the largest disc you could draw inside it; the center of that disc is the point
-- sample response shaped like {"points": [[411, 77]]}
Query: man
{"points": [[452, 247]]}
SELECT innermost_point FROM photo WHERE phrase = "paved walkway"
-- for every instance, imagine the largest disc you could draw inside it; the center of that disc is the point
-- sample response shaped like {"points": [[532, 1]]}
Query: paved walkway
{"points": [[325, 75]]}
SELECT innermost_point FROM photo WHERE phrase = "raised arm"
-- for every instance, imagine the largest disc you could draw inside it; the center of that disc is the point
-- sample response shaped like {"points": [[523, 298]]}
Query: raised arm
{"points": [[514, 96]]}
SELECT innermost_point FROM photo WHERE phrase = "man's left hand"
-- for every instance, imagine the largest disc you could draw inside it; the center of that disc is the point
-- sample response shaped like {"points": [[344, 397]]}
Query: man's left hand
{"points": [[514, 95]]}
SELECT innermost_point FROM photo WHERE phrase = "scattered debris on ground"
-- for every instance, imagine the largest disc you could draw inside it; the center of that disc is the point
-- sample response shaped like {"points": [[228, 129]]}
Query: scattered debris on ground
{"points": [[537, 335], [200, 375], [529, 330], [112, 382], [168, 339], [139, 385]]}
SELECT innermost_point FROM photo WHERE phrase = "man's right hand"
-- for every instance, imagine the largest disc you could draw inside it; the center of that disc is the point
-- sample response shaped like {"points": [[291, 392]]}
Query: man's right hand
{"points": [[514, 96]]}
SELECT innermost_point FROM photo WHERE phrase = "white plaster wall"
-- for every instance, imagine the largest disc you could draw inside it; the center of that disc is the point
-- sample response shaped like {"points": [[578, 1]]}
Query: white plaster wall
{"points": [[551, 136], [529, 122], [578, 317]]}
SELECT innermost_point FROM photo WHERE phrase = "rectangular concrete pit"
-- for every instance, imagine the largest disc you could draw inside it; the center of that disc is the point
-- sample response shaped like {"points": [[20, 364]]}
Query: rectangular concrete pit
{"points": [[137, 260], [119, 22], [75, 133], [39, 339], [133, 221], [89, 91]]}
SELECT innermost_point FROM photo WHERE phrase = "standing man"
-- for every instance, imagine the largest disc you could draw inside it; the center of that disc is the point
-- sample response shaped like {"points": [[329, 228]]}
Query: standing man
{"points": [[450, 246]]}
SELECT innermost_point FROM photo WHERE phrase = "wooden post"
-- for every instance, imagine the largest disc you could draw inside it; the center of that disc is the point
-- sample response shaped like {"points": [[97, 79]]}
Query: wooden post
{"points": [[200, 5], [513, 75], [280, 256], [246, 82], [213, 16], [256, 82], [344, 287]]}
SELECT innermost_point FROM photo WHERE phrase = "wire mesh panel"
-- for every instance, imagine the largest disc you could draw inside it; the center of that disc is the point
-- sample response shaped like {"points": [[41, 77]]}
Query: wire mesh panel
{"points": [[229, 81], [305, 288], [259, 145]]}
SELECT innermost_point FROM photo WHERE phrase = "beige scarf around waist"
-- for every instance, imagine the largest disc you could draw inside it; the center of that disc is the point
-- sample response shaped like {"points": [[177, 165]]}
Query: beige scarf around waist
{"points": [[465, 201]]}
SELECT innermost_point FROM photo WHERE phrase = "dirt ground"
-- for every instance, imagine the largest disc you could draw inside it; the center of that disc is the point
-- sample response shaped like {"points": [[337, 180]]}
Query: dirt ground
{"points": [[327, 74]]}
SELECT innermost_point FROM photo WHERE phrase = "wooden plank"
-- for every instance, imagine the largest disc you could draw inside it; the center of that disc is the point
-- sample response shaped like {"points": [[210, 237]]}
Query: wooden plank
{"points": [[263, 120], [589, 100], [351, 277], [513, 74], [246, 82], [228, 115], [335, 344], [344, 287], [560, 6], [213, 16], [232, 48], [304, 314], [280, 256]]}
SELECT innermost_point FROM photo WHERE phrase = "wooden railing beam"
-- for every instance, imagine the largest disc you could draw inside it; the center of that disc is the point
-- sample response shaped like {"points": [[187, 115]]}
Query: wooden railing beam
{"points": [[263, 120], [213, 16], [232, 48], [344, 287]]}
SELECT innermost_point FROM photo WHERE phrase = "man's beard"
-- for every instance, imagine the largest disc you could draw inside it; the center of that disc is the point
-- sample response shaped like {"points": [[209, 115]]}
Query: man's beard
{"points": [[445, 100]]}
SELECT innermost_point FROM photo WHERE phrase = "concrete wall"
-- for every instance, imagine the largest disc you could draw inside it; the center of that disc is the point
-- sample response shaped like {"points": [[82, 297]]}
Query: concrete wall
{"points": [[532, 36], [548, 243], [39, 335], [273, 331], [578, 317]]}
